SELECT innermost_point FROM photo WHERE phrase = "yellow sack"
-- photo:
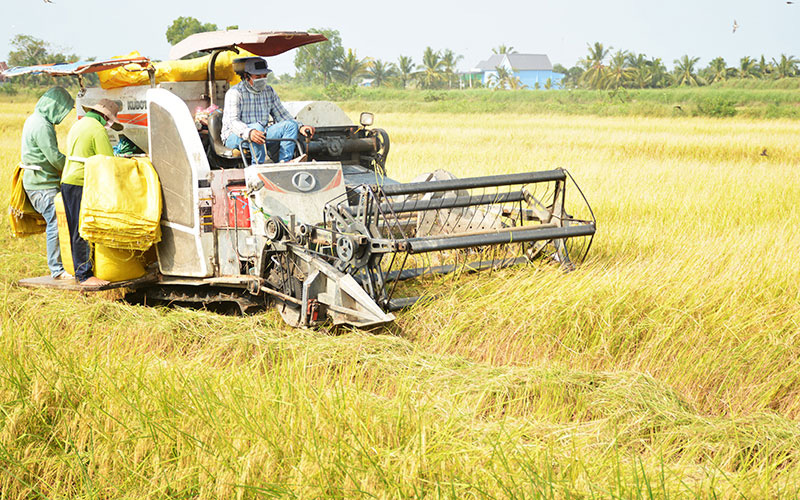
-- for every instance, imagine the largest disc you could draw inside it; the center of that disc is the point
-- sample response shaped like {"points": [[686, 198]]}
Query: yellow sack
{"points": [[22, 217], [117, 265], [121, 204], [184, 70]]}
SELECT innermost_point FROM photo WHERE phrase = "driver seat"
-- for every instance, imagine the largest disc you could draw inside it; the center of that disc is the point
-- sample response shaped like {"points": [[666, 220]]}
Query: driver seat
{"points": [[214, 132]]}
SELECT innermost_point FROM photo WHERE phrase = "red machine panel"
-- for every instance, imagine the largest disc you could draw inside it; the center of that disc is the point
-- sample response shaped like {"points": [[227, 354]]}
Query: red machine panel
{"points": [[238, 207]]}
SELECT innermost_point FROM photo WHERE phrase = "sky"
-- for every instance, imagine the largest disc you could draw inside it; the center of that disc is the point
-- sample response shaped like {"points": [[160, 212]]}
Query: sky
{"points": [[385, 30]]}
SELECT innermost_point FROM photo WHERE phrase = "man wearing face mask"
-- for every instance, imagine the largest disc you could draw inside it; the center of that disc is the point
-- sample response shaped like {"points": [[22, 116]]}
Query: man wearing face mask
{"points": [[248, 106], [86, 138]]}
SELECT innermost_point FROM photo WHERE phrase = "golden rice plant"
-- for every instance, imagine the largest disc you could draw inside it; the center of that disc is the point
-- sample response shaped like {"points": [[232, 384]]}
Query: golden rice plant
{"points": [[666, 365]]}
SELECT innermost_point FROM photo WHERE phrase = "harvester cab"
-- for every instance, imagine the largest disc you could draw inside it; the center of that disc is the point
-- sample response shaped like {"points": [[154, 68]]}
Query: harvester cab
{"points": [[332, 239]]}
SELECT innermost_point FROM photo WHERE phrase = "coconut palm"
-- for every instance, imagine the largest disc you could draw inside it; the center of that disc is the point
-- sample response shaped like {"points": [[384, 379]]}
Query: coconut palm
{"points": [[619, 73], [786, 67], [503, 49], [641, 74], [380, 72], [449, 61], [500, 79], [748, 68], [430, 73], [352, 68], [765, 68], [659, 77], [595, 75], [405, 69], [514, 83], [717, 71], [684, 72]]}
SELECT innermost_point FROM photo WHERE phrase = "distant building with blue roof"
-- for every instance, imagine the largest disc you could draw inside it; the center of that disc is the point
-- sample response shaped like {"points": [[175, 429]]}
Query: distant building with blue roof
{"points": [[531, 69]]}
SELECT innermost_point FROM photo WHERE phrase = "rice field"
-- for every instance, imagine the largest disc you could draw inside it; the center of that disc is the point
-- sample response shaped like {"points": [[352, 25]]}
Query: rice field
{"points": [[667, 365]]}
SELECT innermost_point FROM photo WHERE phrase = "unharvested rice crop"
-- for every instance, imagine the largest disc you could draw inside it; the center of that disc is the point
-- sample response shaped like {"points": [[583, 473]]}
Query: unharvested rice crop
{"points": [[666, 365]]}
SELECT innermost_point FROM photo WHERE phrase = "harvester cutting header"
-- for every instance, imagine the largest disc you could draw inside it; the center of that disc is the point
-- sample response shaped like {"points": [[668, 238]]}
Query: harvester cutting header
{"points": [[326, 238]]}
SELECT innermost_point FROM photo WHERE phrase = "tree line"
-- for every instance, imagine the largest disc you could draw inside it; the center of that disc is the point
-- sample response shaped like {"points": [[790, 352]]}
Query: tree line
{"points": [[601, 69]]}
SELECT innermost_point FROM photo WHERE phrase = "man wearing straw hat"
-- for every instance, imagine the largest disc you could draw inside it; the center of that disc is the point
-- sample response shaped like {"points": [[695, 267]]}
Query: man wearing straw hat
{"points": [[86, 138]]}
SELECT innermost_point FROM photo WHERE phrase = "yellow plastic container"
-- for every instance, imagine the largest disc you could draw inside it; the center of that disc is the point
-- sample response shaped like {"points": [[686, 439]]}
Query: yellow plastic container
{"points": [[117, 265], [63, 236]]}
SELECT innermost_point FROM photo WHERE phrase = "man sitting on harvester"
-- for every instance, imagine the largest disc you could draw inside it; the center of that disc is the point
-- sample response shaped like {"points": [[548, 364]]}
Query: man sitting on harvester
{"points": [[249, 105]]}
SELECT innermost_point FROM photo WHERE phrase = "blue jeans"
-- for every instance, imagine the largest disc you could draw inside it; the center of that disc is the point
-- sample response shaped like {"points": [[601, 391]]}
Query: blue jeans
{"points": [[43, 202], [287, 129]]}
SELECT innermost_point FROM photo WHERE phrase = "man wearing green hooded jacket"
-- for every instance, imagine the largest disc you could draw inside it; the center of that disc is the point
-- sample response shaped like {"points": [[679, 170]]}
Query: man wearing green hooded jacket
{"points": [[43, 163]]}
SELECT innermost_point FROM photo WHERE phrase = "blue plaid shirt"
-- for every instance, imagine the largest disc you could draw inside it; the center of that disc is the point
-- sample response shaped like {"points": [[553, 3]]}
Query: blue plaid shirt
{"points": [[243, 107]]}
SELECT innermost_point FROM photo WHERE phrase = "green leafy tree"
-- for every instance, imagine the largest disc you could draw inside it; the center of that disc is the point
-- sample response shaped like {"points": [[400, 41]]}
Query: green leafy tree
{"points": [[351, 69], [786, 67], [430, 74], [684, 73], [317, 62], [572, 75], [594, 63], [405, 69], [380, 72], [182, 27], [30, 51]]}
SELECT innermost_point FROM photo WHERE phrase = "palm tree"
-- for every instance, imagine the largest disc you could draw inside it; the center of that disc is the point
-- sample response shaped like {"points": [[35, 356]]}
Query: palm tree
{"points": [[658, 73], [786, 67], [503, 49], [684, 73], [514, 83], [380, 72], [595, 74], [500, 78], [640, 74], [405, 69], [619, 74], [431, 71], [764, 68], [747, 68], [718, 70], [449, 61], [352, 68]]}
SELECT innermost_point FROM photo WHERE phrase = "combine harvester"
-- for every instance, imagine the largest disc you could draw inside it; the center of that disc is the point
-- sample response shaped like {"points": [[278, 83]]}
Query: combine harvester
{"points": [[332, 239]]}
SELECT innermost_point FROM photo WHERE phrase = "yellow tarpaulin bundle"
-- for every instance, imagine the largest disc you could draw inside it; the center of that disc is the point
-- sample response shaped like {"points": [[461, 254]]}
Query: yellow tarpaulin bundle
{"points": [[185, 70], [22, 218], [121, 205]]}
